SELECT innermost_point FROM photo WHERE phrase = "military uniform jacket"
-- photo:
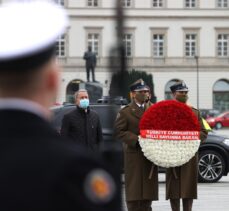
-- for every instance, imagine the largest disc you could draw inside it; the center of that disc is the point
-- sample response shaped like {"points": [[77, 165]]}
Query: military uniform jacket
{"points": [[137, 168], [181, 182]]}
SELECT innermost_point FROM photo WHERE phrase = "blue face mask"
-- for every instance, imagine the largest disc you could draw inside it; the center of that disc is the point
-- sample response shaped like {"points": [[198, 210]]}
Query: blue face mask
{"points": [[84, 103]]}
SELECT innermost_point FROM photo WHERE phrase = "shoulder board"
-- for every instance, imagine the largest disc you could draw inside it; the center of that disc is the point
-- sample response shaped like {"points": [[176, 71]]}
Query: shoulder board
{"points": [[125, 106], [194, 108]]}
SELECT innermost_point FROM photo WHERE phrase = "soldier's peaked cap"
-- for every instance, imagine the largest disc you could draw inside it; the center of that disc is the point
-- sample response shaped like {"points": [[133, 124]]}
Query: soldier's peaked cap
{"points": [[29, 30], [179, 87], [139, 85]]}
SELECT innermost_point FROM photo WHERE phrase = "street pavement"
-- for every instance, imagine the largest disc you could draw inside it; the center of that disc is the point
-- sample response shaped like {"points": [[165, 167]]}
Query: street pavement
{"points": [[211, 196], [223, 131]]}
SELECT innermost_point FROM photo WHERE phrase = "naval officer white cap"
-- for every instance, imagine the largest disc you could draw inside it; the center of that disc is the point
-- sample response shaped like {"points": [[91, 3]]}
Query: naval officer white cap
{"points": [[29, 29]]}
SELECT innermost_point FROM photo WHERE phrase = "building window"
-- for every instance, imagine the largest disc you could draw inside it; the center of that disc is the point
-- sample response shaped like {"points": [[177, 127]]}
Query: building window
{"points": [[127, 40], [221, 95], [190, 45], [61, 2], [92, 3], [222, 3], [158, 45], [93, 41], [158, 3], [61, 46], [190, 3], [126, 3], [222, 45]]}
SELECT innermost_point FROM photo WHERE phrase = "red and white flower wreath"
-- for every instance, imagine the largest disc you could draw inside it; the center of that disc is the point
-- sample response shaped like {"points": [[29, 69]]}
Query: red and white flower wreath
{"points": [[169, 133]]}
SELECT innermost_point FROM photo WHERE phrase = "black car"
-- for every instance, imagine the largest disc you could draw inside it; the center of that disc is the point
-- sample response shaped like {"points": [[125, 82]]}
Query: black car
{"points": [[213, 153]]}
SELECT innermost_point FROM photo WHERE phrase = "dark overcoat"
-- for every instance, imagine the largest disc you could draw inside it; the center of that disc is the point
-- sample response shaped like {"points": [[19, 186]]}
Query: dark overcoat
{"points": [[83, 127], [137, 168], [181, 182]]}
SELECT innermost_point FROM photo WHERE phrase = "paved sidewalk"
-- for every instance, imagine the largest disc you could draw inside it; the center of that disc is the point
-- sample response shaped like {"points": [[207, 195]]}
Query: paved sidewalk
{"points": [[211, 197]]}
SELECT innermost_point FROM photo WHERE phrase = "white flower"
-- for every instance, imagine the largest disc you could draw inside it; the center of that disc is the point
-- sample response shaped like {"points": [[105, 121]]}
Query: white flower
{"points": [[169, 153]]}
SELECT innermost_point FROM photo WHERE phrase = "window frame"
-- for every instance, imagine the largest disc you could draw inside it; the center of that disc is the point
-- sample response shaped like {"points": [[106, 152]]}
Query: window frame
{"points": [[164, 4], [190, 7], [224, 31], [59, 42], [93, 3], [94, 30], [60, 2], [159, 31], [221, 6], [195, 31], [130, 31], [124, 4]]}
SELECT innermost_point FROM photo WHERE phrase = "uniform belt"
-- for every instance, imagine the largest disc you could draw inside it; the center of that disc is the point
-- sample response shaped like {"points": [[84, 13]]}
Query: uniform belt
{"points": [[174, 173], [151, 171]]}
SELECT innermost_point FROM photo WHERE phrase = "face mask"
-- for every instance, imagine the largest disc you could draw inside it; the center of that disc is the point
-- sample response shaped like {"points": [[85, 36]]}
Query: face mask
{"points": [[141, 97], [182, 99], [84, 103]]}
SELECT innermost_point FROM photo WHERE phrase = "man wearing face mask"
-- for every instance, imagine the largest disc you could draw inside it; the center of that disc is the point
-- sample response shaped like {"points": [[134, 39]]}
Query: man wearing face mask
{"points": [[181, 182], [141, 176], [82, 125]]}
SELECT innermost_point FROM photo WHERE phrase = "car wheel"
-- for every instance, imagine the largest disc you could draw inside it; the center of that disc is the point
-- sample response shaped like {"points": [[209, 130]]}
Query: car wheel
{"points": [[211, 166], [218, 125]]}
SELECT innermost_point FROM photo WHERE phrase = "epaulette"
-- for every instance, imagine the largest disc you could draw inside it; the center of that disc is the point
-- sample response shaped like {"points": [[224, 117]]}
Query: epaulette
{"points": [[189, 105], [124, 107], [194, 108]]}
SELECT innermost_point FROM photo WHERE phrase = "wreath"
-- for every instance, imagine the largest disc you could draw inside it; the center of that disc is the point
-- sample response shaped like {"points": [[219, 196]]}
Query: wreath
{"points": [[169, 133]]}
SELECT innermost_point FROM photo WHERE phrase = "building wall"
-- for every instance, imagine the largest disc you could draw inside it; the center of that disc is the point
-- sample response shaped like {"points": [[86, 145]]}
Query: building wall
{"points": [[141, 19], [206, 81], [144, 3]]}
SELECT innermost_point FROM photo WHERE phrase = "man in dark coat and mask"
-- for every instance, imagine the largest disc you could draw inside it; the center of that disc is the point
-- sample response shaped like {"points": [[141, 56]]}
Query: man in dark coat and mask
{"points": [[82, 125]]}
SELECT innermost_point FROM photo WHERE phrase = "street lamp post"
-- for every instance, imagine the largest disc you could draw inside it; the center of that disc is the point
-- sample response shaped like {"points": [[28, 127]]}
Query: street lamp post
{"points": [[197, 80]]}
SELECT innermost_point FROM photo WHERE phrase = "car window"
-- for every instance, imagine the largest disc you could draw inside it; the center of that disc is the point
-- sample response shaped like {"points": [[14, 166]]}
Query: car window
{"points": [[221, 115], [58, 114], [107, 114], [227, 116]]}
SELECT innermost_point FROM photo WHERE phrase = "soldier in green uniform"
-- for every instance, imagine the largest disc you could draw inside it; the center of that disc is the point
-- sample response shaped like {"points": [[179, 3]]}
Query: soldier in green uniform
{"points": [[181, 182], [141, 175]]}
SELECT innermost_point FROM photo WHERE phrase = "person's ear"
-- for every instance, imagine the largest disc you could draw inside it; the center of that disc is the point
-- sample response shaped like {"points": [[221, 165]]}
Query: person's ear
{"points": [[53, 76]]}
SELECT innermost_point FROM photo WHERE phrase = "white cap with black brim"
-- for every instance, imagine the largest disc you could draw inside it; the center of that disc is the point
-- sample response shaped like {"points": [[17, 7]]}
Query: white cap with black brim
{"points": [[29, 30]]}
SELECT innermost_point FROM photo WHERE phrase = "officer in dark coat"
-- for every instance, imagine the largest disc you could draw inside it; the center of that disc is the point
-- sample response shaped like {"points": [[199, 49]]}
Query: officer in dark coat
{"points": [[181, 182], [141, 175], [39, 170], [82, 125], [90, 58]]}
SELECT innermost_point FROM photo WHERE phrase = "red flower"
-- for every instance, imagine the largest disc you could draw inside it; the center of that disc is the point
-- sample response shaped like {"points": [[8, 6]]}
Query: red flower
{"points": [[169, 115]]}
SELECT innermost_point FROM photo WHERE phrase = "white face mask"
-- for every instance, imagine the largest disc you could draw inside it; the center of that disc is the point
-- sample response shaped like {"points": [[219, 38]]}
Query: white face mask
{"points": [[84, 103]]}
